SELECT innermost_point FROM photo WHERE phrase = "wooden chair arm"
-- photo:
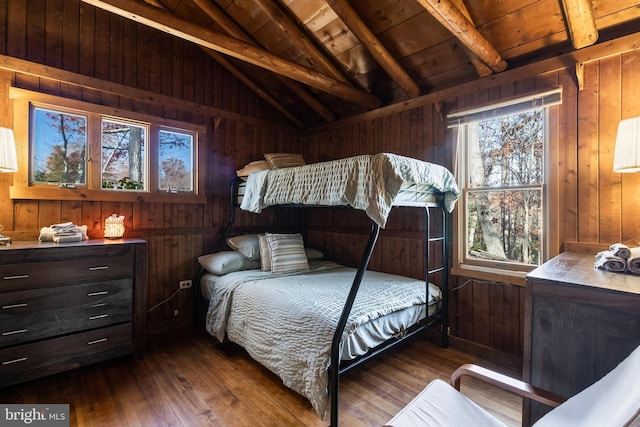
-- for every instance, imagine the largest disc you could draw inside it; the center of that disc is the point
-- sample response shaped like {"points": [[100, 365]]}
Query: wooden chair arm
{"points": [[505, 382]]}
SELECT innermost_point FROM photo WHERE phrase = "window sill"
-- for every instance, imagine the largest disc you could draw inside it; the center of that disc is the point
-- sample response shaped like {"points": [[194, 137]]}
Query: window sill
{"points": [[516, 278], [84, 194]]}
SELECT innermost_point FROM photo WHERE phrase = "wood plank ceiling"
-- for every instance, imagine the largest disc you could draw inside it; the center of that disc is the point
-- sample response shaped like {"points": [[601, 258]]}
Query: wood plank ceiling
{"points": [[320, 60]]}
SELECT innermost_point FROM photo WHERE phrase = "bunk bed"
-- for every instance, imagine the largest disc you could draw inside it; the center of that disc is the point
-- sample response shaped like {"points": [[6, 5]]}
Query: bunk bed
{"points": [[373, 184]]}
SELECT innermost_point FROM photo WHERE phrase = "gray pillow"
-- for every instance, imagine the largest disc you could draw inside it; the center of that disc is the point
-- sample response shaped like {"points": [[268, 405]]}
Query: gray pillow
{"points": [[221, 263], [247, 244]]}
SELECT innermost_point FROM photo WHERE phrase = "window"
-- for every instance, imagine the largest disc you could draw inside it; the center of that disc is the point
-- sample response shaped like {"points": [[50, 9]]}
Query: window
{"points": [[501, 163], [176, 160], [78, 150], [59, 146], [123, 154]]}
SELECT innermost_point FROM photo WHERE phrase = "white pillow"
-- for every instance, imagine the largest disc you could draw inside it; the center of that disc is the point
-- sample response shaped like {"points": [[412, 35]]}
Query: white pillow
{"points": [[255, 166], [221, 263], [247, 244], [287, 253]]}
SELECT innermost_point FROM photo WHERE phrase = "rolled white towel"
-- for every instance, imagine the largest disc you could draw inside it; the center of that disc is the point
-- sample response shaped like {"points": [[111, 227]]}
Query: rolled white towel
{"points": [[46, 234], [620, 250], [606, 260], [82, 229], [633, 263]]}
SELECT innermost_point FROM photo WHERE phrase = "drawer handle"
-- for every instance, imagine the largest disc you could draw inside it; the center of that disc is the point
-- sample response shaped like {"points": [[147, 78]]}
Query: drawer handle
{"points": [[102, 267], [18, 276], [100, 304], [17, 331], [95, 294], [97, 341], [9, 362], [7, 307], [99, 316]]}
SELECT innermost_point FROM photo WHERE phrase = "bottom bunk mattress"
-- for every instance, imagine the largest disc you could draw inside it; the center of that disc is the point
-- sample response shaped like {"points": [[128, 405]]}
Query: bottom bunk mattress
{"points": [[286, 323]]}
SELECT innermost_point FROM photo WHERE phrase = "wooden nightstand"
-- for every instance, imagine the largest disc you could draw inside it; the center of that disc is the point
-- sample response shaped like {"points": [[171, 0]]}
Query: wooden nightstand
{"points": [[580, 323], [68, 305]]}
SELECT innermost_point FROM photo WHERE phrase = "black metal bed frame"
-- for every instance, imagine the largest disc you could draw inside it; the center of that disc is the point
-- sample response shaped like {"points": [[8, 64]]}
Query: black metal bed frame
{"points": [[336, 368]]}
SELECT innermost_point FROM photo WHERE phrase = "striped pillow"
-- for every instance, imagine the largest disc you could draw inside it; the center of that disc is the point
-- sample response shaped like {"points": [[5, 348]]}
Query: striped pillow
{"points": [[287, 253], [284, 160]]}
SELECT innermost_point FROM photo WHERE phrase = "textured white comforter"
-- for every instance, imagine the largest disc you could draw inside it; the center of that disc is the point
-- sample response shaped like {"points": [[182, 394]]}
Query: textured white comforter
{"points": [[367, 182], [287, 323]]}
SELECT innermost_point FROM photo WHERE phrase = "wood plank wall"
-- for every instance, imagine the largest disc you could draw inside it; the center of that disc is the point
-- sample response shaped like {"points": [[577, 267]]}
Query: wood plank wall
{"points": [[185, 84], [591, 203], [588, 201]]}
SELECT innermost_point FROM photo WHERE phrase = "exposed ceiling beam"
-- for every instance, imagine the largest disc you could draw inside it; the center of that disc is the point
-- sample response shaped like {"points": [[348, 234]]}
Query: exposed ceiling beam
{"points": [[240, 75], [382, 56], [581, 23], [454, 21], [482, 69], [165, 21], [234, 30], [300, 39]]}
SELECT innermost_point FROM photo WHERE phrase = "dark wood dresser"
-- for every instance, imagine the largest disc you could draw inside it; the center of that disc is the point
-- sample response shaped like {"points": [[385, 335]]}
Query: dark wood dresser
{"points": [[580, 323], [67, 305]]}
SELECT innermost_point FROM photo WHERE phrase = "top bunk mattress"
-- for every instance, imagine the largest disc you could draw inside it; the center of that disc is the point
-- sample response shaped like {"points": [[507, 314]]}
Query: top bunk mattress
{"points": [[372, 183]]}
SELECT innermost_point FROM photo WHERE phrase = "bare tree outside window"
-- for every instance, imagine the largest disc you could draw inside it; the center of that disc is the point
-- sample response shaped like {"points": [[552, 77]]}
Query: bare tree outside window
{"points": [[504, 188], [176, 161], [59, 147], [123, 151]]}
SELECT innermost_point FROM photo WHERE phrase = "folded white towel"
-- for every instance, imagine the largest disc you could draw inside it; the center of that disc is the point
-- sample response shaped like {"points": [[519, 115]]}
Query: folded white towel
{"points": [[67, 238], [633, 263], [65, 231], [47, 234], [620, 250], [606, 260], [61, 225]]}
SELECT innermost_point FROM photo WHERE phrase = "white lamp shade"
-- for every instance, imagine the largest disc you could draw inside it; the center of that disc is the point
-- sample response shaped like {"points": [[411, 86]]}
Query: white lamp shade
{"points": [[627, 155], [8, 158]]}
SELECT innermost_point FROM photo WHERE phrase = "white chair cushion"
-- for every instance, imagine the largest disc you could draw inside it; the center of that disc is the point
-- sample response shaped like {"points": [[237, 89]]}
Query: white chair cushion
{"points": [[613, 400], [439, 404]]}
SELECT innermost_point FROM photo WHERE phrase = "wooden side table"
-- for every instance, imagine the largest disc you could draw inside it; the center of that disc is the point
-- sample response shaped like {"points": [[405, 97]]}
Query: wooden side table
{"points": [[580, 323]]}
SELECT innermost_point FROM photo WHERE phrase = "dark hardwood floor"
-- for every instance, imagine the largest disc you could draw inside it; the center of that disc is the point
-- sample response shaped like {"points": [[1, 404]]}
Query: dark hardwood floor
{"points": [[188, 379]]}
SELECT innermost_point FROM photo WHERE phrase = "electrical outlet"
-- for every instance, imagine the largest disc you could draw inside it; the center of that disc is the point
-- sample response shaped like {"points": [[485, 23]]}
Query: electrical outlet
{"points": [[185, 284], [175, 313]]}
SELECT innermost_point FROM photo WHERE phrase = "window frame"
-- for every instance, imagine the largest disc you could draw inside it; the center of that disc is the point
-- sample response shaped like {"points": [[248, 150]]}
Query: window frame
{"points": [[61, 110], [488, 270], [22, 187]]}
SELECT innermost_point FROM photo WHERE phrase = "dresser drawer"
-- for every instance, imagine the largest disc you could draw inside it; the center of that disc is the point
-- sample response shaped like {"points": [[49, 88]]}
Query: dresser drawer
{"points": [[29, 361], [41, 313], [62, 272]]}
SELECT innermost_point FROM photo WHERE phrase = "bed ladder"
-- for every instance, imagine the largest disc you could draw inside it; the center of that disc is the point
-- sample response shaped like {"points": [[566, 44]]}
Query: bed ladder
{"points": [[334, 367], [443, 269]]}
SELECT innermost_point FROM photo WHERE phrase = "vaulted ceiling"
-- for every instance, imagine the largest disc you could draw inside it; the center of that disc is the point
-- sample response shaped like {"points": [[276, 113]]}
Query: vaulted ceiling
{"points": [[320, 60]]}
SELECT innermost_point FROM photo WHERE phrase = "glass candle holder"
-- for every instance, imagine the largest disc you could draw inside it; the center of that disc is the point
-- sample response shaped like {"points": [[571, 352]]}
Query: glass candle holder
{"points": [[114, 226]]}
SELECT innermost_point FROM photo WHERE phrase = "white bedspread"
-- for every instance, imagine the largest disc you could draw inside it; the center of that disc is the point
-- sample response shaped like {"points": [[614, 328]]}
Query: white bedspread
{"points": [[287, 323], [367, 182]]}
